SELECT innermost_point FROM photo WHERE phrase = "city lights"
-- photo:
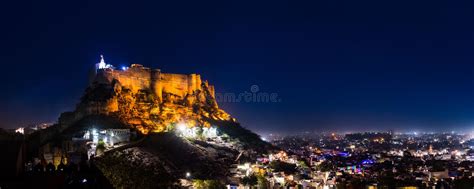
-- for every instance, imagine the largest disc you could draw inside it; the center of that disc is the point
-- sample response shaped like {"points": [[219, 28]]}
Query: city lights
{"points": [[20, 130], [95, 136], [184, 130]]}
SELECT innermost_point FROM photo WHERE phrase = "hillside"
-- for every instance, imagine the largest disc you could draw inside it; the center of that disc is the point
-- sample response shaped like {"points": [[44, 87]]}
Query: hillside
{"points": [[161, 159], [159, 106]]}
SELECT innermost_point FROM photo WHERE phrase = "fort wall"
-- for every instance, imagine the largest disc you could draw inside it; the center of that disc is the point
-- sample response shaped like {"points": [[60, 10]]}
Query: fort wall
{"points": [[138, 78]]}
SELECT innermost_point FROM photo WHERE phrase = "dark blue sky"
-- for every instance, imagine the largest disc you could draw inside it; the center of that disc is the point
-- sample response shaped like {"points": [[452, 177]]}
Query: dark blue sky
{"points": [[336, 65]]}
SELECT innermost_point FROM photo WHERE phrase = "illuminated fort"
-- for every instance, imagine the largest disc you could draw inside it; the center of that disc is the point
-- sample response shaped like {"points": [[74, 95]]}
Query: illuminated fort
{"points": [[147, 99], [138, 78]]}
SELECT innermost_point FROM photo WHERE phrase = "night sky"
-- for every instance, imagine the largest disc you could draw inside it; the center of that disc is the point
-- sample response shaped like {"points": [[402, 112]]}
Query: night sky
{"points": [[336, 65]]}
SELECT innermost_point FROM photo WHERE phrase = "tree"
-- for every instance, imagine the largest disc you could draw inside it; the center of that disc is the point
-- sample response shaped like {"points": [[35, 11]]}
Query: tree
{"points": [[171, 127], [279, 166], [199, 133], [326, 166], [199, 184], [100, 147], [302, 164], [262, 182], [213, 184], [207, 184], [250, 180]]}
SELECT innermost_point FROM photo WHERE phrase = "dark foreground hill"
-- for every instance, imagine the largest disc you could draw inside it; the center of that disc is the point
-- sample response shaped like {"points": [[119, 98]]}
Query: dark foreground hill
{"points": [[160, 159]]}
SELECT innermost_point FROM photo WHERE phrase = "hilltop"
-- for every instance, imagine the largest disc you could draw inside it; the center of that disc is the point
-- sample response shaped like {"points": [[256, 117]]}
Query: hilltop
{"points": [[148, 100], [173, 115]]}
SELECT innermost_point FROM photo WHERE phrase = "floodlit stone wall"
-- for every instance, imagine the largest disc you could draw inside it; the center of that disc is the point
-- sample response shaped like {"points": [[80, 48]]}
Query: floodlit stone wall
{"points": [[138, 78]]}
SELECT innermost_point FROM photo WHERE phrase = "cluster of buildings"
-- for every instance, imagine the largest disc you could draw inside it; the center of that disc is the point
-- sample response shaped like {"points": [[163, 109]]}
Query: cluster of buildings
{"points": [[81, 147], [366, 160], [30, 128]]}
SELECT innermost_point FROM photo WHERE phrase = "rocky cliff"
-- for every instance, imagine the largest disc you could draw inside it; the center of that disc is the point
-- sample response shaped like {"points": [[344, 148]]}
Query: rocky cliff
{"points": [[149, 100]]}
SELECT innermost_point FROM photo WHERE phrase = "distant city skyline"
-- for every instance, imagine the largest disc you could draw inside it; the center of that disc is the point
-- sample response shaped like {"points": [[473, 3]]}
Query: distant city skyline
{"points": [[352, 66]]}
